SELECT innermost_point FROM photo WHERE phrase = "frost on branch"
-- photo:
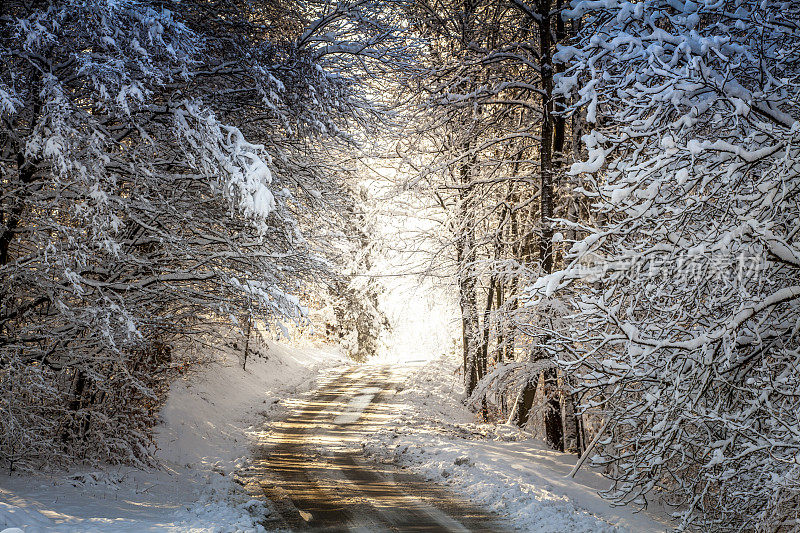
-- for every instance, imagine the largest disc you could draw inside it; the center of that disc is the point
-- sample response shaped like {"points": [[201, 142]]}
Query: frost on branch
{"points": [[688, 337]]}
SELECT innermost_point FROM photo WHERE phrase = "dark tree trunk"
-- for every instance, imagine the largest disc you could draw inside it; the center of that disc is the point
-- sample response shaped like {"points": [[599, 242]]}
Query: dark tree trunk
{"points": [[76, 428], [501, 339], [525, 401], [546, 146], [247, 341], [553, 427], [569, 418], [10, 217], [487, 314]]}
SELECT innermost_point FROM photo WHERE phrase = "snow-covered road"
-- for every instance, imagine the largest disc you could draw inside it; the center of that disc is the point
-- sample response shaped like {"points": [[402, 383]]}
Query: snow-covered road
{"points": [[497, 467], [335, 447], [312, 467]]}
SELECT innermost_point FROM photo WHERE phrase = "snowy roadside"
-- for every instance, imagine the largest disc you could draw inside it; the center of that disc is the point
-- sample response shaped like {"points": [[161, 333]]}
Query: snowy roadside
{"points": [[498, 468], [208, 426]]}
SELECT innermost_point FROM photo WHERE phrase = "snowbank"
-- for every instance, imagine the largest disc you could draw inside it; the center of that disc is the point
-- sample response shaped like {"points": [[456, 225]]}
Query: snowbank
{"points": [[208, 423], [209, 419], [499, 468]]}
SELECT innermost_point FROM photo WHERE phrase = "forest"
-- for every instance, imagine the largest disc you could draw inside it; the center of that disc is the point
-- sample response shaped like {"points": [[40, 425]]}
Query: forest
{"points": [[608, 189]]}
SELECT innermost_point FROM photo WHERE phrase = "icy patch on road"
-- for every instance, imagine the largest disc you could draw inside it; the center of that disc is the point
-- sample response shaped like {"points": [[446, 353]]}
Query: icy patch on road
{"points": [[498, 468]]}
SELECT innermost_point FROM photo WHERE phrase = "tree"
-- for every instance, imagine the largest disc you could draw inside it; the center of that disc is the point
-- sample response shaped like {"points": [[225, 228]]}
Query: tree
{"points": [[684, 293], [354, 314], [160, 173], [490, 153]]}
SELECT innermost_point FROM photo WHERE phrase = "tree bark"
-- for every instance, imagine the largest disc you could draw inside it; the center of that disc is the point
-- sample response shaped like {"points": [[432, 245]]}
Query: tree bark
{"points": [[525, 401], [247, 341], [467, 282]]}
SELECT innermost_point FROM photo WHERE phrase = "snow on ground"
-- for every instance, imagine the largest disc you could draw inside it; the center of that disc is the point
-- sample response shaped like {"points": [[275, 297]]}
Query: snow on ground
{"points": [[209, 420], [498, 468]]}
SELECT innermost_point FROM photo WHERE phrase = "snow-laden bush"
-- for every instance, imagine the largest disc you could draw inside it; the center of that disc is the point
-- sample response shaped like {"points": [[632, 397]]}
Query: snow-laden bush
{"points": [[685, 289]]}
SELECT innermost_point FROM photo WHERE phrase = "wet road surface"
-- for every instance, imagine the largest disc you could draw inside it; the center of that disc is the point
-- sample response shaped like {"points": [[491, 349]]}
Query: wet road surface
{"points": [[311, 466]]}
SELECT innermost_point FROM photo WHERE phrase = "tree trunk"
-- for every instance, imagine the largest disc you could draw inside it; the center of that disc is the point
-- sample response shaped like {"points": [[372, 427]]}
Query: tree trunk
{"points": [[487, 313], [569, 419], [525, 401], [468, 298], [553, 427], [500, 324], [546, 146], [247, 341], [75, 428]]}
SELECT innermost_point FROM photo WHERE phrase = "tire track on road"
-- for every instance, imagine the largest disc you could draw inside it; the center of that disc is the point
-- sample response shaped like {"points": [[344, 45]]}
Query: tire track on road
{"points": [[312, 468]]}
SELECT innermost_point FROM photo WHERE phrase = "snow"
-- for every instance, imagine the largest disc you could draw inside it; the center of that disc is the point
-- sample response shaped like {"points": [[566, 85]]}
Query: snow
{"points": [[127, 500], [209, 423], [596, 158], [498, 467], [212, 417]]}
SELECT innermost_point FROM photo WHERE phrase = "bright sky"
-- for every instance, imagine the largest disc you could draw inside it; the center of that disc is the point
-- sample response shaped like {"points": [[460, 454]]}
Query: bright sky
{"points": [[424, 316], [424, 320]]}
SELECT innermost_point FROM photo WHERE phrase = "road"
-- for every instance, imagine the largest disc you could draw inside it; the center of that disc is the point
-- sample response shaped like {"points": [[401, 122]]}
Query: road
{"points": [[311, 466]]}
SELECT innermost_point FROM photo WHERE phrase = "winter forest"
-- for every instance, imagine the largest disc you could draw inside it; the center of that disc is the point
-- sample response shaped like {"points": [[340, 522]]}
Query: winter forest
{"points": [[606, 191]]}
